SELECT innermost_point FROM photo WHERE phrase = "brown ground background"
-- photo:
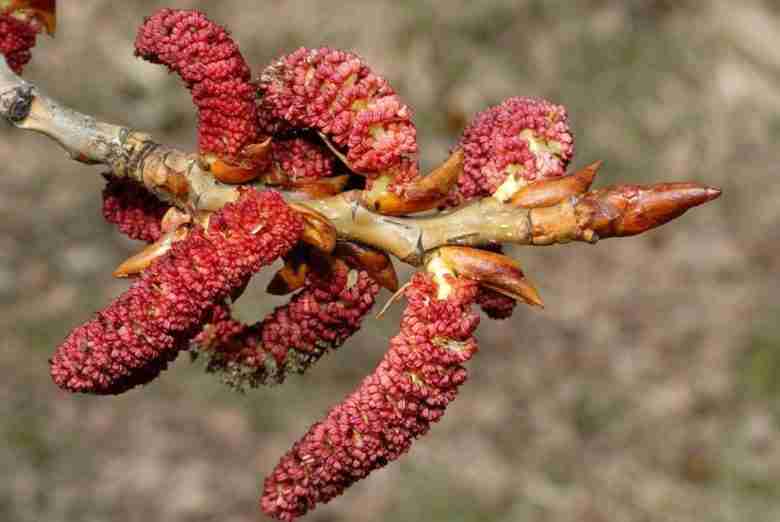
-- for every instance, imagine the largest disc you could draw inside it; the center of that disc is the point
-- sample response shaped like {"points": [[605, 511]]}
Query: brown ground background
{"points": [[648, 390]]}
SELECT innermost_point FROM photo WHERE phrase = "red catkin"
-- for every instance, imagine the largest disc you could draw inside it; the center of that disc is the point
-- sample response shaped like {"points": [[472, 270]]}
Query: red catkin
{"points": [[135, 211], [319, 318], [301, 160], [17, 37], [337, 94], [376, 424], [526, 136], [132, 340], [495, 304], [211, 65]]}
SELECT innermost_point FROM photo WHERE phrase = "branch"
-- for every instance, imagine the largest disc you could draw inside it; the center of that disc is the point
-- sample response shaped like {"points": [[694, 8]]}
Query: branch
{"points": [[183, 179], [171, 175]]}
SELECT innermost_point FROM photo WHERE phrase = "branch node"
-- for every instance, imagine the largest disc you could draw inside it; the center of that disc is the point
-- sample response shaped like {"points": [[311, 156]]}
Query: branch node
{"points": [[15, 104]]}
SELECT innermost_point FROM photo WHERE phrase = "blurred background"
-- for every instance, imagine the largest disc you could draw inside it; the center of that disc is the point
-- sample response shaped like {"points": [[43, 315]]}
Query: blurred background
{"points": [[647, 390]]}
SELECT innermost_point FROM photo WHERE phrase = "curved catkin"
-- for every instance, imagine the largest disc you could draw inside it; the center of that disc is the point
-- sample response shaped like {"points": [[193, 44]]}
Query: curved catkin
{"points": [[17, 37], [211, 65], [135, 211], [376, 424], [337, 94], [527, 137], [319, 318], [134, 338]]}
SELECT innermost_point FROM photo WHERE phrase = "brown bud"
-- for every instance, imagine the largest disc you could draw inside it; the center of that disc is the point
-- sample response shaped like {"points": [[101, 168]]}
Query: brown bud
{"points": [[626, 210], [227, 172], [241, 172], [492, 270], [420, 194], [275, 177], [137, 263], [173, 219], [288, 279], [550, 192], [44, 10], [259, 152], [299, 262], [375, 262], [321, 188], [318, 231]]}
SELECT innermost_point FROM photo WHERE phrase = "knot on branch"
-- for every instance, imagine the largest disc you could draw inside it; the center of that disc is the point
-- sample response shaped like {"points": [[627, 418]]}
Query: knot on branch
{"points": [[15, 103]]}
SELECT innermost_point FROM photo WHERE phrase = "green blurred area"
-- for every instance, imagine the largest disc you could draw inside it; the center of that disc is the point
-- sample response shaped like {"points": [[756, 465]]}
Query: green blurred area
{"points": [[646, 390]]}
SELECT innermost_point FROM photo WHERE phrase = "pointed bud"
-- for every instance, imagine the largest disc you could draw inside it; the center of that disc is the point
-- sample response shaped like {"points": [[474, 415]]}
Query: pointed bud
{"points": [[139, 262], [375, 262], [627, 210], [550, 192], [288, 279], [173, 219], [292, 276], [254, 161], [321, 188], [495, 271], [420, 194], [44, 11], [318, 231]]}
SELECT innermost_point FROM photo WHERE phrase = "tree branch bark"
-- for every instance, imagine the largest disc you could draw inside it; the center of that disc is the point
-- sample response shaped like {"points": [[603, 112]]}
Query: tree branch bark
{"points": [[181, 179]]}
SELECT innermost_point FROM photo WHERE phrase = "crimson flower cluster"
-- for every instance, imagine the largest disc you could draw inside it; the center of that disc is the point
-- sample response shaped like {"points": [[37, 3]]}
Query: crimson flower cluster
{"points": [[132, 340], [212, 67], [529, 137], [337, 94], [135, 211], [17, 37], [319, 318], [376, 424], [302, 160], [522, 136]]}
